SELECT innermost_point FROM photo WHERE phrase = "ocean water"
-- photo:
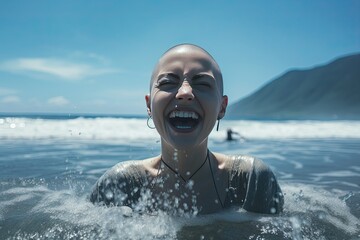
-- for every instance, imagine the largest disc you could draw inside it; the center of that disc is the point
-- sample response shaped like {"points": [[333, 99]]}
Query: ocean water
{"points": [[48, 166]]}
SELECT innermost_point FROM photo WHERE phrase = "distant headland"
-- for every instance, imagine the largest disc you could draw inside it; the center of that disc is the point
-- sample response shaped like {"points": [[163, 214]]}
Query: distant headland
{"points": [[326, 92]]}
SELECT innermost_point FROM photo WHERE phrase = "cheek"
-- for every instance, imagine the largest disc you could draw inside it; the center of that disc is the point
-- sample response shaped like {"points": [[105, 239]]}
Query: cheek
{"points": [[211, 103], [159, 101]]}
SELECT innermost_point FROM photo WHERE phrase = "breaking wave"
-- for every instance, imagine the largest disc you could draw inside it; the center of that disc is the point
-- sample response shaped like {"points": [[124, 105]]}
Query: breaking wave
{"points": [[126, 130]]}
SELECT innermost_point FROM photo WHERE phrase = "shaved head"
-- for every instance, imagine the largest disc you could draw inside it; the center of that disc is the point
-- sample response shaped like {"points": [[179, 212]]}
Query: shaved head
{"points": [[191, 50]]}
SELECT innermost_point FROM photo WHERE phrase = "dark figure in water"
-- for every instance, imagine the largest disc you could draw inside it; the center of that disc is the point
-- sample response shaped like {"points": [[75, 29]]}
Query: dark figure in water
{"points": [[230, 135]]}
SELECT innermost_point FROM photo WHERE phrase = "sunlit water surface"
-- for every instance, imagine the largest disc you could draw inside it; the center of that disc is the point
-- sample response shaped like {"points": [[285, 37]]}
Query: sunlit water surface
{"points": [[47, 168]]}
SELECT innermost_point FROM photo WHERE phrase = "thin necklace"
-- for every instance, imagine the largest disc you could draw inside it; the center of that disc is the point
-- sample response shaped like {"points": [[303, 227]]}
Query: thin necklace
{"points": [[217, 192], [179, 175]]}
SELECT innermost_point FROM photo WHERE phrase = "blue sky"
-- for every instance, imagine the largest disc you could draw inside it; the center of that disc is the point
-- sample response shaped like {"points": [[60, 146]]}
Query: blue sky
{"points": [[97, 56]]}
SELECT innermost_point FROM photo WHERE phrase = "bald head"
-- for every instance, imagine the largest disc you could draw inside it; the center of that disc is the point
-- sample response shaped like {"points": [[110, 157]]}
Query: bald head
{"points": [[181, 55], [189, 48]]}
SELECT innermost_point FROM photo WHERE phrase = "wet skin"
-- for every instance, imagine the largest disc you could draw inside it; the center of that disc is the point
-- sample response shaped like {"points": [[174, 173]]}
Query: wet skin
{"points": [[186, 98], [186, 81], [185, 101]]}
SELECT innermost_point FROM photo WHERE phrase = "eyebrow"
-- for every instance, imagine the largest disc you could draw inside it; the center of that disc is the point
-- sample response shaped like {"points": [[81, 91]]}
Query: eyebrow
{"points": [[194, 78], [199, 75], [168, 74]]}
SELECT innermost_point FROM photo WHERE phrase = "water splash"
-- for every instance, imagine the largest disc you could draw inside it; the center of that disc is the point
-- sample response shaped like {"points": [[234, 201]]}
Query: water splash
{"points": [[310, 213]]}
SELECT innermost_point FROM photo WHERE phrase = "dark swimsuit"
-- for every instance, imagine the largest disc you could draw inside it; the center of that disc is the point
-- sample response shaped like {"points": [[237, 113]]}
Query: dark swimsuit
{"points": [[251, 185]]}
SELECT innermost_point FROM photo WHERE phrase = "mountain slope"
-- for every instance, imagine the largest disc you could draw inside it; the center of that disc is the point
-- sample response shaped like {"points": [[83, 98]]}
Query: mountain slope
{"points": [[331, 91]]}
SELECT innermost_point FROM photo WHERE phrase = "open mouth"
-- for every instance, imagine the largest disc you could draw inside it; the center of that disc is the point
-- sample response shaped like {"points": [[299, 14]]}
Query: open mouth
{"points": [[184, 120]]}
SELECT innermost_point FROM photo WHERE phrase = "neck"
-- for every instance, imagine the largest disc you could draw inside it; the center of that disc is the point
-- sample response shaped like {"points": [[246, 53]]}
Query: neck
{"points": [[184, 161]]}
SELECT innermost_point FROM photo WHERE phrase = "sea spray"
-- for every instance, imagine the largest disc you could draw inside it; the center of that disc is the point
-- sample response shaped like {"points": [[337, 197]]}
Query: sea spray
{"points": [[123, 130]]}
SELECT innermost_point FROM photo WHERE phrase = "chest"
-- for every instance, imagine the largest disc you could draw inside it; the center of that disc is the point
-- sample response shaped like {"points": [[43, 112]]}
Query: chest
{"points": [[202, 194]]}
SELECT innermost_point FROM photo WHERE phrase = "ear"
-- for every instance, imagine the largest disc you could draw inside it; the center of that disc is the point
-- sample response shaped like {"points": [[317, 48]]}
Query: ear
{"points": [[223, 106], [147, 100]]}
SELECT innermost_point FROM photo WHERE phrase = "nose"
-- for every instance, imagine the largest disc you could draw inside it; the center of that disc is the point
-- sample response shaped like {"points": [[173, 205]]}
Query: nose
{"points": [[185, 92]]}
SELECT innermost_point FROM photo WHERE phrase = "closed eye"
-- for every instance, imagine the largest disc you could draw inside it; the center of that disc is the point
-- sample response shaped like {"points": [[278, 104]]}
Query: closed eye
{"points": [[202, 80], [168, 80], [165, 81]]}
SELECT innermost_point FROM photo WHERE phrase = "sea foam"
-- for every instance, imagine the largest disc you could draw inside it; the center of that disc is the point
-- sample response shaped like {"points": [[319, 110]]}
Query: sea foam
{"points": [[308, 212], [135, 130]]}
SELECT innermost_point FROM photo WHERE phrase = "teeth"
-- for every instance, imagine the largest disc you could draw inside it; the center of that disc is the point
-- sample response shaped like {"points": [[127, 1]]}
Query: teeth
{"points": [[184, 114]]}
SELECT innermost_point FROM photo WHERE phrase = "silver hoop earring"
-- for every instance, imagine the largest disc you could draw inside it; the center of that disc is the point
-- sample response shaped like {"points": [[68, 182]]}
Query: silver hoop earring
{"points": [[218, 123], [148, 123]]}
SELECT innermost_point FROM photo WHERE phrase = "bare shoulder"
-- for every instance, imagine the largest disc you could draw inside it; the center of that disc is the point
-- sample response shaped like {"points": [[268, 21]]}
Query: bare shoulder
{"points": [[120, 184], [130, 167], [245, 163], [122, 168], [253, 183], [151, 165]]}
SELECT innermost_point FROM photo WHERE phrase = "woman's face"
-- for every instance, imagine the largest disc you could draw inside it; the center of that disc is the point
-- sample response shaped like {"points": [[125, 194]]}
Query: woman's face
{"points": [[186, 97]]}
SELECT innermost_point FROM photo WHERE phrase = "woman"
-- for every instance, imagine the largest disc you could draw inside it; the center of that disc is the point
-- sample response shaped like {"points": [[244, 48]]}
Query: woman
{"points": [[185, 101]]}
